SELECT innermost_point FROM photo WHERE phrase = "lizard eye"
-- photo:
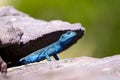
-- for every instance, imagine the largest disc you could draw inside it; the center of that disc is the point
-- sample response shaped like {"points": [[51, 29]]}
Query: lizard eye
{"points": [[69, 32]]}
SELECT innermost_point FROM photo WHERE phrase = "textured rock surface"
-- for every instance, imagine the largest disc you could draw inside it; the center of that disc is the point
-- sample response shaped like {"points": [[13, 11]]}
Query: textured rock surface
{"points": [[83, 68], [22, 34], [9, 35]]}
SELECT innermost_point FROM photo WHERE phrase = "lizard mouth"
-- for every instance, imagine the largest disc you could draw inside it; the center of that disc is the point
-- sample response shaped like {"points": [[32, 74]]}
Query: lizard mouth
{"points": [[79, 35]]}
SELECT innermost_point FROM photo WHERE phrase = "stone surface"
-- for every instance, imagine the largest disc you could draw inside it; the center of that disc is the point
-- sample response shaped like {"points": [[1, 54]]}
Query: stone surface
{"points": [[22, 34], [9, 35], [83, 68]]}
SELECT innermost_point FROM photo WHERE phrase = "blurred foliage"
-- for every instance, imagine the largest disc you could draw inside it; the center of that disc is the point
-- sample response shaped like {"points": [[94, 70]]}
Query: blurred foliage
{"points": [[100, 18]]}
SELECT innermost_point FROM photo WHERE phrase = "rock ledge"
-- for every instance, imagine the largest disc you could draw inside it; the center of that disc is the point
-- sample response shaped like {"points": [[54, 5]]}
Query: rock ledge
{"points": [[82, 68]]}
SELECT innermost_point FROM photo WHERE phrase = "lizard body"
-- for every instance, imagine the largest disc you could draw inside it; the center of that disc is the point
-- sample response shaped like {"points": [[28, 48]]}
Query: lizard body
{"points": [[30, 36], [51, 50]]}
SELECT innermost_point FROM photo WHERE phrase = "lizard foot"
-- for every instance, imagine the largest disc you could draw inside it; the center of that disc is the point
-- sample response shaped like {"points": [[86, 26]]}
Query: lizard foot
{"points": [[3, 66]]}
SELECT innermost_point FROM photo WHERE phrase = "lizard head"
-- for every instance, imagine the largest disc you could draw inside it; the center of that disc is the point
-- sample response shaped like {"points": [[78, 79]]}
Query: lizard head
{"points": [[67, 37]]}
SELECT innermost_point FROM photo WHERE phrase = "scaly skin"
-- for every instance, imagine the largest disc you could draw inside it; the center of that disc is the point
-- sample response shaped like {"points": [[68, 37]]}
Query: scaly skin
{"points": [[51, 50]]}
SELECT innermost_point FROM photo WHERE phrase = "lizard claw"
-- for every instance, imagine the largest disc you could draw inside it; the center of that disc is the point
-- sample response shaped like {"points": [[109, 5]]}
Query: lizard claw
{"points": [[3, 66]]}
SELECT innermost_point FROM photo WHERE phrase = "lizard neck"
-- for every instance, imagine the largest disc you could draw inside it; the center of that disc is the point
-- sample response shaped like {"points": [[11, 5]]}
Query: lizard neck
{"points": [[62, 44]]}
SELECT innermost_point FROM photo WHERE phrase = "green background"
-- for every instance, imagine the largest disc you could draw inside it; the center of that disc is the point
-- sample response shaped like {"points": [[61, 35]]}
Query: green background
{"points": [[100, 18]]}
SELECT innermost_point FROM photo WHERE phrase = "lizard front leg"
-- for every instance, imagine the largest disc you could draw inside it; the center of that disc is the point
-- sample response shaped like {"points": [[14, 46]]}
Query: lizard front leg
{"points": [[3, 66]]}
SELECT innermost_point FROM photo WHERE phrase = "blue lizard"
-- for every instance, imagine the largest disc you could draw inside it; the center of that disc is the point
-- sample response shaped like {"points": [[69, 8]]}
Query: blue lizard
{"points": [[51, 50]]}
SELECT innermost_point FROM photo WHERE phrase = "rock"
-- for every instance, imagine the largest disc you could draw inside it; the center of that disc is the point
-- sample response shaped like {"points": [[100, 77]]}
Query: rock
{"points": [[9, 35], [22, 34], [82, 68]]}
